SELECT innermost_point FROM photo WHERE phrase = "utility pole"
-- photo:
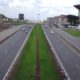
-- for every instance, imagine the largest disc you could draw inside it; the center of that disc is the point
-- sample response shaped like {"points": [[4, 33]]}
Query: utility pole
{"points": [[38, 17]]}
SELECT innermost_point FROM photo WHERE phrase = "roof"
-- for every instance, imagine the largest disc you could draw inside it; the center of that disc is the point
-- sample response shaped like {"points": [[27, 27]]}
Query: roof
{"points": [[77, 6], [3, 16]]}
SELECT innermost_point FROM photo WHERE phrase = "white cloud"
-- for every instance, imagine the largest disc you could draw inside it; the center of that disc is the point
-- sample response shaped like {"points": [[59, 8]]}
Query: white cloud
{"points": [[57, 3], [32, 7], [24, 3]]}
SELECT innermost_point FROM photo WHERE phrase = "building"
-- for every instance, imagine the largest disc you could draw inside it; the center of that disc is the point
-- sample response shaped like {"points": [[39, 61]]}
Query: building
{"points": [[59, 21], [3, 18], [50, 21], [78, 7], [21, 16]]}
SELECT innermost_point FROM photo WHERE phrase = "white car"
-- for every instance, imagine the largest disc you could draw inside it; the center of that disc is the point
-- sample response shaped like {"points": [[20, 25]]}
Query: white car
{"points": [[51, 31], [23, 29], [78, 27]]}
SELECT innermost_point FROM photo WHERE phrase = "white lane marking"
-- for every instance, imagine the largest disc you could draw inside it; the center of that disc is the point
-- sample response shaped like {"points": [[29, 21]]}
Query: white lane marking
{"points": [[78, 66]]}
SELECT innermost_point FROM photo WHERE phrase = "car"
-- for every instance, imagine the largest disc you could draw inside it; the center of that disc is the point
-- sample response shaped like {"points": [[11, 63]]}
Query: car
{"points": [[23, 29], [30, 26], [51, 31], [78, 28]]}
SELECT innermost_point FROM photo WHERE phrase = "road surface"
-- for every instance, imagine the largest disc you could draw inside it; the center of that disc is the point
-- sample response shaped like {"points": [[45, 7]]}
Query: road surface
{"points": [[69, 57], [10, 48], [74, 41]]}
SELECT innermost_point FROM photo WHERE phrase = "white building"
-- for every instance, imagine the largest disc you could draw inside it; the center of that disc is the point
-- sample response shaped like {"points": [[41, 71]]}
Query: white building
{"points": [[58, 20]]}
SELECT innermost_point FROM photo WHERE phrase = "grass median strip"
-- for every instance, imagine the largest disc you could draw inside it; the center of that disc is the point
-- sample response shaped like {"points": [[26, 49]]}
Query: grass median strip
{"points": [[47, 64], [36, 62]]}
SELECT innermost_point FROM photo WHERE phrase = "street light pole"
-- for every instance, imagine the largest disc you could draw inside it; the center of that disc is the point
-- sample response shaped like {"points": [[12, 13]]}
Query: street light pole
{"points": [[38, 17]]}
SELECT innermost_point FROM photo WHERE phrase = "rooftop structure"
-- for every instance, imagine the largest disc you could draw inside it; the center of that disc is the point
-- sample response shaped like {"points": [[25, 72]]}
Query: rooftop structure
{"points": [[78, 7]]}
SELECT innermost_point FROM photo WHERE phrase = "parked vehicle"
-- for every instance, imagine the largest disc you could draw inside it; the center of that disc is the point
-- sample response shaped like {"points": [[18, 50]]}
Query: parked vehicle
{"points": [[78, 27], [23, 29]]}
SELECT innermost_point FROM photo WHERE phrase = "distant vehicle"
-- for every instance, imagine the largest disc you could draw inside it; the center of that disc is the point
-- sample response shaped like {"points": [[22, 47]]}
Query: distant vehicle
{"points": [[78, 28], [30, 26], [23, 29], [51, 31]]}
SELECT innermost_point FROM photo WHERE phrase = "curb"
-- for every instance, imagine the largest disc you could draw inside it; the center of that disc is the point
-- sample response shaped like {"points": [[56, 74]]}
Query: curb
{"points": [[16, 58], [57, 58]]}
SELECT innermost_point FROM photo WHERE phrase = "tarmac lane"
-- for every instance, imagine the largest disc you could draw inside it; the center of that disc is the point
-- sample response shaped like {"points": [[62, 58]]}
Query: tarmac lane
{"points": [[9, 49]]}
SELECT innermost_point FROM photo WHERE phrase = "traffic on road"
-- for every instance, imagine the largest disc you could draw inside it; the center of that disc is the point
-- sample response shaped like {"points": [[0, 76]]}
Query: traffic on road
{"points": [[10, 47], [69, 58]]}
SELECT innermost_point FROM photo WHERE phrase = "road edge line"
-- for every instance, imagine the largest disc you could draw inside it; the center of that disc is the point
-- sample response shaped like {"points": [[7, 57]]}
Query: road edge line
{"points": [[17, 56], [59, 61]]}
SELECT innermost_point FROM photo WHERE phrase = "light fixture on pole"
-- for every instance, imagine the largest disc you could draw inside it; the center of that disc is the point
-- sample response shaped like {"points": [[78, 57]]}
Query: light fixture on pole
{"points": [[38, 17]]}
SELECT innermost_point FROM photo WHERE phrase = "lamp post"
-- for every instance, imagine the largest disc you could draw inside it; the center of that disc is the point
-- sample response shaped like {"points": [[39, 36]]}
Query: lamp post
{"points": [[38, 17]]}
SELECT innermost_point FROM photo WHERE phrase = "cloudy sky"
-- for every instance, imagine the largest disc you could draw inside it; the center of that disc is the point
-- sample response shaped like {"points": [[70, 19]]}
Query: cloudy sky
{"points": [[31, 8]]}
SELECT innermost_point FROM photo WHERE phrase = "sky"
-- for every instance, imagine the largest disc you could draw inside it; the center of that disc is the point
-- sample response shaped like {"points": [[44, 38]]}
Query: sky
{"points": [[32, 8]]}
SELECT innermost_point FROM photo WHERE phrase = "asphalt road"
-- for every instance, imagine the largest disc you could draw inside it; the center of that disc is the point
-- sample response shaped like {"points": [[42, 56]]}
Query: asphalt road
{"points": [[10, 48], [69, 57]]}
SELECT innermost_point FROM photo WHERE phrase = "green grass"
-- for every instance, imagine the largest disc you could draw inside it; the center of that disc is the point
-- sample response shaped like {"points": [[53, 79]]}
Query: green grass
{"points": [[28, 60], [73, 32], [27, 67], [48, 68]]}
